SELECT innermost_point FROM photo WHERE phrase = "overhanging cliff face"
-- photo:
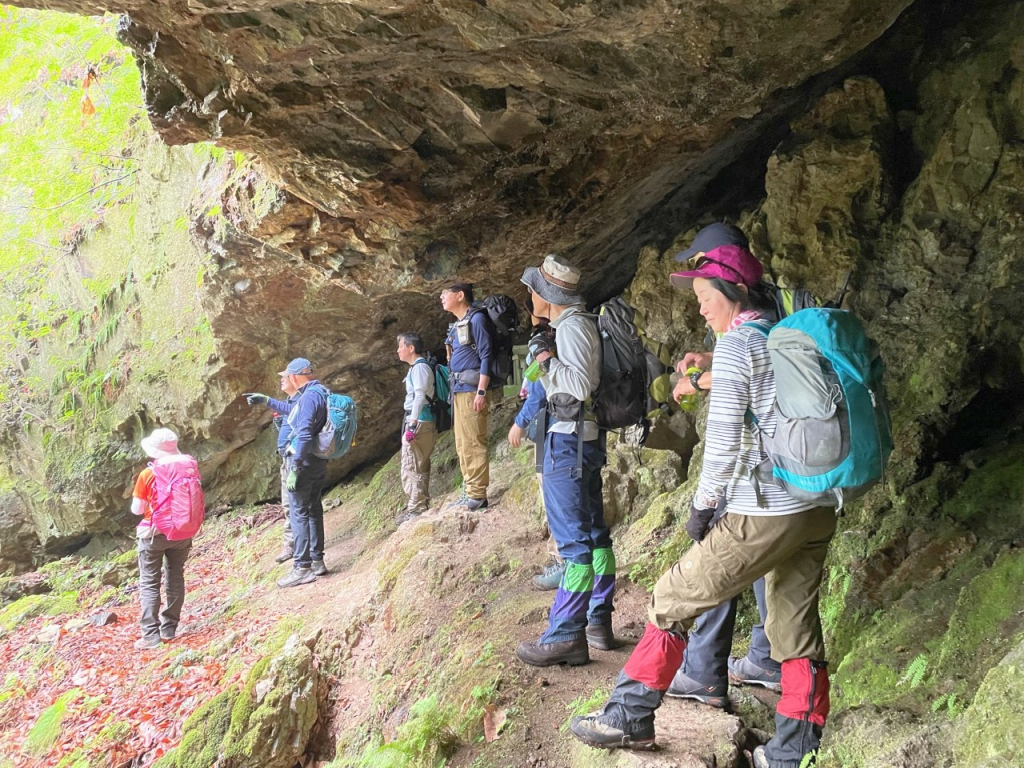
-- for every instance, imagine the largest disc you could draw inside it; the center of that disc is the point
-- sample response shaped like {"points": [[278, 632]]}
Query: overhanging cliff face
{"points": [[472, 137], [428, 140]]}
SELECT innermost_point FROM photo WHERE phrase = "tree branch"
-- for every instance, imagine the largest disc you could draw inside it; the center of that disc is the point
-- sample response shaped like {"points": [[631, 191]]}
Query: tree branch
{"points": [[79, 196]]}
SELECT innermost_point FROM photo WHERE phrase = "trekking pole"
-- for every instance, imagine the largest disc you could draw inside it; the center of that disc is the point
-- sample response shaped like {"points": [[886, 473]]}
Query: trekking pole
{"points": [[844, 290]]}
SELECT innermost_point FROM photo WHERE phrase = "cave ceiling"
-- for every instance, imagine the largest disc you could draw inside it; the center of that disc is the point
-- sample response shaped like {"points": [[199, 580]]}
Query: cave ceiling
{"points": [[470, 137]]}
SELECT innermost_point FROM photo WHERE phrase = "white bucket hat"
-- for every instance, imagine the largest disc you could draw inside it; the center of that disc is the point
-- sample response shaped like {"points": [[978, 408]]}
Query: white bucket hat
{"points": [[161, 443]]}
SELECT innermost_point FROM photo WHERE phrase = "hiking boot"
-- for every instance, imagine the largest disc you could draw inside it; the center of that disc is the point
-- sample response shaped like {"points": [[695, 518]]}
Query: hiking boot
{"points": [[286, 554], [742, 671], [296, 577], [538, 654], [147, 643], [606, 731], [318, 568], [601, 637], [406, 516], [760, 758], [474, 505], [550, 578], [460, 502], [684, 687]]}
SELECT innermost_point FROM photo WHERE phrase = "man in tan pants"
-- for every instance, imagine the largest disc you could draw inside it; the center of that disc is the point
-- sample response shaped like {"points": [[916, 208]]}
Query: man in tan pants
{"points": [[469, 343], [418, 429]]}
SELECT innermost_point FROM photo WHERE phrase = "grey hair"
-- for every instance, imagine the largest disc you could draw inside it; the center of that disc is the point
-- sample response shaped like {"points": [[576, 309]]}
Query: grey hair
{"points": [[412, 339]]}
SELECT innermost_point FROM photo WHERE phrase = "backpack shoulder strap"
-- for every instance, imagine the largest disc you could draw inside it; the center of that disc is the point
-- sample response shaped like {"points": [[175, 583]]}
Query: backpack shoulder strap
{"points": [[474, 310], [761, 326]]}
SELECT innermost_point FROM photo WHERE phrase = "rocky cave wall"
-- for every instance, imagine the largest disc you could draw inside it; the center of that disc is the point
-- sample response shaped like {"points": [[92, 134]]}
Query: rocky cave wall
{"points": [[655, 117], [201, 308]]}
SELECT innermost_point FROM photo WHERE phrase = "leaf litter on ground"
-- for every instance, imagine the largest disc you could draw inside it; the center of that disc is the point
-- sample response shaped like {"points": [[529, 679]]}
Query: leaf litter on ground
{"points": [[89, 695]]}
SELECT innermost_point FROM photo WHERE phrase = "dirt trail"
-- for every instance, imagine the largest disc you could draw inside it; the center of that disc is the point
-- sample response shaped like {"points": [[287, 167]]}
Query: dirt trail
{"points": [[454, 543], [433, 609]]}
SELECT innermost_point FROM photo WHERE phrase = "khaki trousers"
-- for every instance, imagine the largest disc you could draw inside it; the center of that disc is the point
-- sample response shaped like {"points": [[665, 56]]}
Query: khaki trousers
{"points": [[471, 444], [416, 467], [788, 550]]}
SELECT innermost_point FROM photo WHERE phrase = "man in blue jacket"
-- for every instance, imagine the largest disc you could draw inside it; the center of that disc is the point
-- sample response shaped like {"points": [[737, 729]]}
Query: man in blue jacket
{"points": [[306, 471], [469, 353]]}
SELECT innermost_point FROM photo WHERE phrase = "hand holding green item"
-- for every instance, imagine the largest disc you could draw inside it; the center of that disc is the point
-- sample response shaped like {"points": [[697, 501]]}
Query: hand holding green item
{"points": [[691, 401], [292, 481]]}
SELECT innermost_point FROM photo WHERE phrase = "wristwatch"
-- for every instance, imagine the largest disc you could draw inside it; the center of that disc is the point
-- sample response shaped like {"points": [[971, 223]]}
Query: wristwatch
{"points": [[695, 380], [481, 393]]}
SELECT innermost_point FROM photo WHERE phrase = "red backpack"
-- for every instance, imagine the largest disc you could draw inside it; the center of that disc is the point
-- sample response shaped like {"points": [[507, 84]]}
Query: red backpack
{"points": [[179, 508]]}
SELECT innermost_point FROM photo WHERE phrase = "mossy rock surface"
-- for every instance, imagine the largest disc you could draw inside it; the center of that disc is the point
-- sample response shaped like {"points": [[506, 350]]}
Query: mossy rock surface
{"points": [[37, 605], [265, 725], [992, 729]]}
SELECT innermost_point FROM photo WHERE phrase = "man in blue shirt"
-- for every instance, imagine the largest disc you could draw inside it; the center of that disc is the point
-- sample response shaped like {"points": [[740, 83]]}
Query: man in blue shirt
{"points": [[418, 433], [469, 353], [306, 471]]}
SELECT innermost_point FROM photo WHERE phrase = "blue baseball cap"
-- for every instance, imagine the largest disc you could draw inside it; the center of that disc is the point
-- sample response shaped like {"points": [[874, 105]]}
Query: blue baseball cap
{"points": [[714, 236], [298, 366]]}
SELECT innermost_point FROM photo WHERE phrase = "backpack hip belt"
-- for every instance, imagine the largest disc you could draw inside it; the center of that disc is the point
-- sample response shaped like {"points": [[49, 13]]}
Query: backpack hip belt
{"points": [[472, 378]]}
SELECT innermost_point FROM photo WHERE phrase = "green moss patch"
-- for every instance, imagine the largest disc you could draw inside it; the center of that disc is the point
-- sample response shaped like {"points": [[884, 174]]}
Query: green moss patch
{"points": [[202, 734], [31, 606], [990, 732]]}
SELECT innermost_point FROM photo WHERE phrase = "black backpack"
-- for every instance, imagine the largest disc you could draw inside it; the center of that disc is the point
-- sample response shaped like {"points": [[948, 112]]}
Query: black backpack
{"points": [[621, 397], [790, 300], [504, 317]]}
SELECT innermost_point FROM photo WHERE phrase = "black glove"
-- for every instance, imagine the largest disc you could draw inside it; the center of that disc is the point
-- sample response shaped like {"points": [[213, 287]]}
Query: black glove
{"points": [[542, 342], [698, 522], [255, 398]]}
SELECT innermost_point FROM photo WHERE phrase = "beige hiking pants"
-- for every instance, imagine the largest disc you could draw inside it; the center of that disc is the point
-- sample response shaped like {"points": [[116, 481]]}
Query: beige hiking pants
{"points": [[788, 550], [471, 444], [416, 467]]}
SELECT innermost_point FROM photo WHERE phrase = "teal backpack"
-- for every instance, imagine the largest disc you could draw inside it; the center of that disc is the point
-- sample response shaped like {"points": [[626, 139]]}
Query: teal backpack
{"points": [[833, 435], [339, 432], [440, 403]]}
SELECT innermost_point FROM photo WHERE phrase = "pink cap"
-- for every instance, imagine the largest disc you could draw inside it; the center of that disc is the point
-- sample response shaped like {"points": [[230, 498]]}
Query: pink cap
{"points": [[728, 262]]}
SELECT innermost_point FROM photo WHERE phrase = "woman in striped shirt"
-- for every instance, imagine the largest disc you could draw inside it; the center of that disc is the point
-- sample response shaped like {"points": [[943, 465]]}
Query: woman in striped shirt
{"points": [[764, 532]]}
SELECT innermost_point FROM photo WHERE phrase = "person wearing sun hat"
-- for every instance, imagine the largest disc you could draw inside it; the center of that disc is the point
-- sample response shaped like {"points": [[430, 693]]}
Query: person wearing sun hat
{"points": [[158, 555], [719, 251], [709, 238], [573, 454], [762, 531]]}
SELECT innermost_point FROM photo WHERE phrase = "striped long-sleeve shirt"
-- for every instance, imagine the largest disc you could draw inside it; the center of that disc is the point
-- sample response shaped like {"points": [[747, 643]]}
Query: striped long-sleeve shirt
{"points": [[743, 379]]}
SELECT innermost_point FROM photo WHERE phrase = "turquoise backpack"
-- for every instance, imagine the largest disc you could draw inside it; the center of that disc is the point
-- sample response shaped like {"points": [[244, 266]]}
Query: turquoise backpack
{"points": [[339, 431], [833, 435], [440, 405]]}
